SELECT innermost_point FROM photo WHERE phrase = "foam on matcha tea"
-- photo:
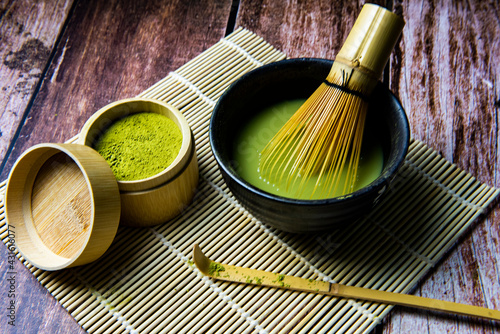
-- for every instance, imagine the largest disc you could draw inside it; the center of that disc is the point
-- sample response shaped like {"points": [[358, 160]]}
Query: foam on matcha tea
{"points": [[258, 132]]}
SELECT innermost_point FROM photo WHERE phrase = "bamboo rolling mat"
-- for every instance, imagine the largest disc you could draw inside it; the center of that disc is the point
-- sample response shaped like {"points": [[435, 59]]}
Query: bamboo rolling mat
{"points": [[146, 282]]}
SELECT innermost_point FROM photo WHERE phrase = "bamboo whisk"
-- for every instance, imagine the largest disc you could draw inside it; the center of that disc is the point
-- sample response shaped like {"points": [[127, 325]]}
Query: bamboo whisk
{"points": [[323, 138]]}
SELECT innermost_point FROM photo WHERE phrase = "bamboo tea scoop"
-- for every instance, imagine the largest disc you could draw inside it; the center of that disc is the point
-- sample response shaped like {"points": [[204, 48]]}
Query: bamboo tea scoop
{"points": [[258, 277]]}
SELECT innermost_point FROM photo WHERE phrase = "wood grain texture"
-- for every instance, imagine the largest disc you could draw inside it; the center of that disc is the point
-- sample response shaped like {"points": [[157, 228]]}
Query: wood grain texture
{"points": [[36, 310], [113, 50], [28, 33], [61, 206], [446, 71], [301, 28], [108, 50], [446, 77]]}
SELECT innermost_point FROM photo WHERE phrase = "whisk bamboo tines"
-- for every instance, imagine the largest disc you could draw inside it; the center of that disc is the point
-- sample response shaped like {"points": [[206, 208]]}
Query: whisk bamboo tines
{"points": [[323, 138]]}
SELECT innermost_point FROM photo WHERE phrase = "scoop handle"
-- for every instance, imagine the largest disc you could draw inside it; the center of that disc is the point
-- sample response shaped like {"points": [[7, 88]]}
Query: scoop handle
{"points": [[237, 274], [392, 298]]}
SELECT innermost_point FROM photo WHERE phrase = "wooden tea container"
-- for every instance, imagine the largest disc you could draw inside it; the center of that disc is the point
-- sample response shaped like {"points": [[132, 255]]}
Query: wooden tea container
{"points": [[63, 202], [156, 199]]}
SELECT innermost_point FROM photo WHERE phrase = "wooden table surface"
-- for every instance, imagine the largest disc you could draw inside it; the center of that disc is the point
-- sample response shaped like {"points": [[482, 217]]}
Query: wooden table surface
{"points": [[63, 60]]}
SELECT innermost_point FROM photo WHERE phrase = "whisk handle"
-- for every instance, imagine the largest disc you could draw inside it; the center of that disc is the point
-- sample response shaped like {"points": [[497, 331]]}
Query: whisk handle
{"points": [[371, 40]]}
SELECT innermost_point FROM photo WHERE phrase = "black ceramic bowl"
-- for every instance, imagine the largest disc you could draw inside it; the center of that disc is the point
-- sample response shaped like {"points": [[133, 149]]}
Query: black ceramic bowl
{"points": [[292, 79]]}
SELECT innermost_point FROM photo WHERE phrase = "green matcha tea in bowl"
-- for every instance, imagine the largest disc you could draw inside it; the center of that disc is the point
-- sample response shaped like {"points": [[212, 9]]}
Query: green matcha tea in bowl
{"points": [[246, 117], [149, 147]]}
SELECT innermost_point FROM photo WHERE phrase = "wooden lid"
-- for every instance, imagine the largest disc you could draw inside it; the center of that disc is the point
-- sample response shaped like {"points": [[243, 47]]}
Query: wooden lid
{"points": [[64, 203]]}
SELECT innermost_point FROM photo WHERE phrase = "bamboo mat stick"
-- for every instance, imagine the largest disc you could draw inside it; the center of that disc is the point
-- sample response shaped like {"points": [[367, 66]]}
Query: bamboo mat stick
{"points": [[336, 320], [314, 318], [100, 281], [302, 314], [190, 313]]}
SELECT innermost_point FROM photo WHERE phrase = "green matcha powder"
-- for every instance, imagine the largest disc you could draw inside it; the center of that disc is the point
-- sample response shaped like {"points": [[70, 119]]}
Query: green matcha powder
{"points": [[140, 145]]}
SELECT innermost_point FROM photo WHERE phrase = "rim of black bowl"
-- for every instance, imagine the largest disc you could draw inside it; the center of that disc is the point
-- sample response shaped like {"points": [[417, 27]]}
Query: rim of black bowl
{"points": [[378, 182]]}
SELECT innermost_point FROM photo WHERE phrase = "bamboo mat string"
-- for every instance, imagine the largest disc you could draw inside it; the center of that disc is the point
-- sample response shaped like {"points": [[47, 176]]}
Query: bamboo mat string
{"points": [[404, 245], [146, 281], [268, 231], [192, 87], [450, 191], [358, 306]]}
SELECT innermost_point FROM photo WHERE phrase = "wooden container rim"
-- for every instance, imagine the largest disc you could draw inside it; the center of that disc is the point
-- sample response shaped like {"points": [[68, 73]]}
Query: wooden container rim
{"points": [[19, 209], [102, 118]]}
